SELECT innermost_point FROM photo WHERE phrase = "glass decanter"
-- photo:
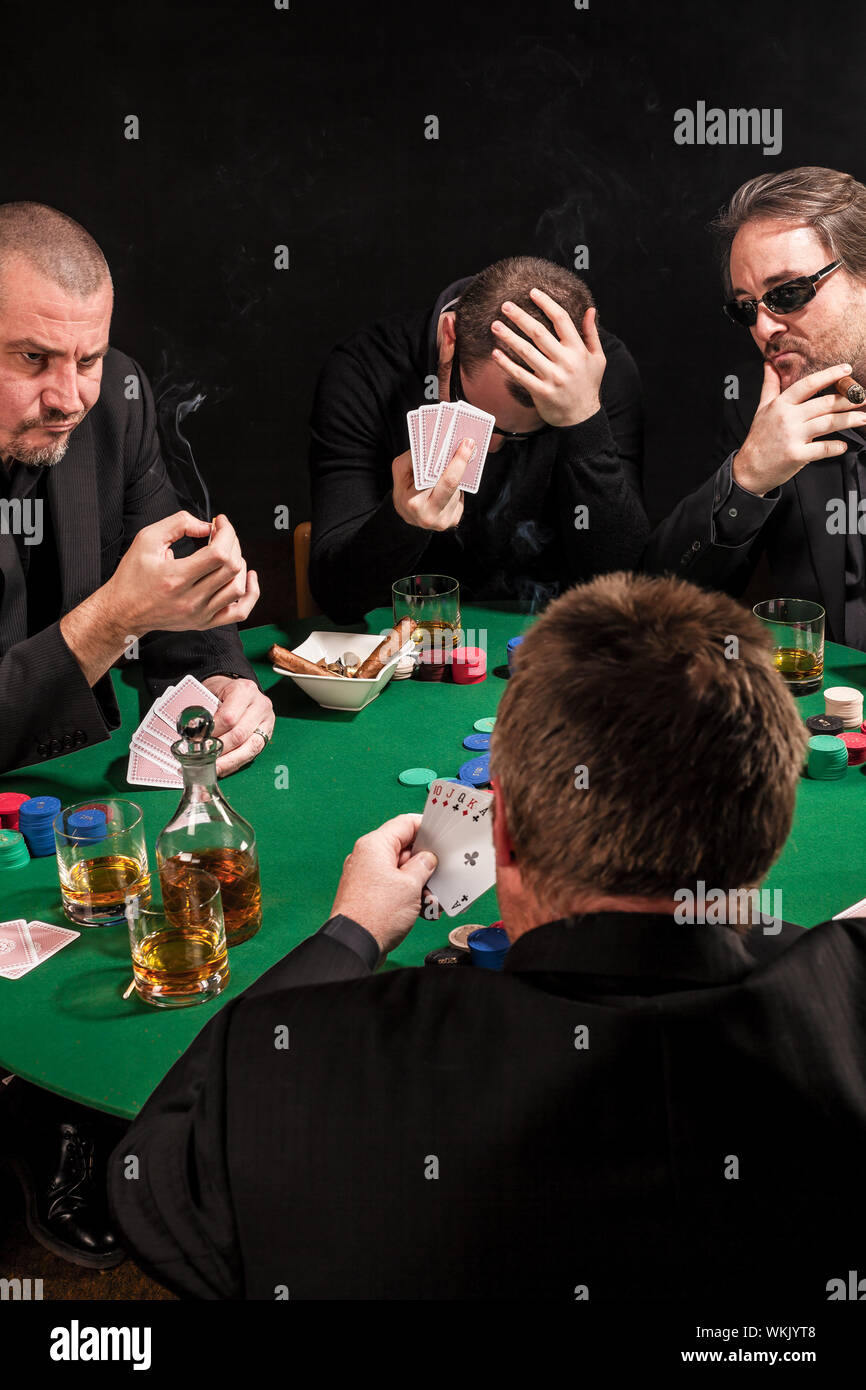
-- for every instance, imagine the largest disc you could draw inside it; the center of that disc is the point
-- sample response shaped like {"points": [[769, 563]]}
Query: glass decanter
{"points": [[206, 833]]}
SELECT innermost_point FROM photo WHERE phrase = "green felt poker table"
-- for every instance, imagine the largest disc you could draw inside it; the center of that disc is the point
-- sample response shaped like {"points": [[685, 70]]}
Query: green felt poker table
{"points": [[65, 1025]]}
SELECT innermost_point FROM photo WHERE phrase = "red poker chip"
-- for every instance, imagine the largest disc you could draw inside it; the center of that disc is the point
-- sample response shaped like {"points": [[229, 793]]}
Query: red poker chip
{"points": [[856, 745], [9, 806], [469, 665]]}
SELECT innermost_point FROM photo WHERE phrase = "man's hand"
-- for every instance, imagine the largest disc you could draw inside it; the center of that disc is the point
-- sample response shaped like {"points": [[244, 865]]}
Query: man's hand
{"points": [[565, 369], [154, 591], [381, 883], [243, 709], [786, 432], [436, 508]]}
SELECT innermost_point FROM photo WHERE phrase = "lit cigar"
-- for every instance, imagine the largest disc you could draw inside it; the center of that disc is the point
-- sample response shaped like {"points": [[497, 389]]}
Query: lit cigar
{"points": [[288, 661], [851, 389], [388, 647]]}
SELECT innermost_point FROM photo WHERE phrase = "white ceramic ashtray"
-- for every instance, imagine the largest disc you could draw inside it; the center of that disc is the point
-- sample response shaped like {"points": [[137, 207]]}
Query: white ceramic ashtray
{"points": [[342, 692]]}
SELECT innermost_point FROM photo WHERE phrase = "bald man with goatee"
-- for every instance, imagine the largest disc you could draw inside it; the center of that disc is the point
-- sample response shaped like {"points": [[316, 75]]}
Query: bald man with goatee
{"points": [[94, 547]]}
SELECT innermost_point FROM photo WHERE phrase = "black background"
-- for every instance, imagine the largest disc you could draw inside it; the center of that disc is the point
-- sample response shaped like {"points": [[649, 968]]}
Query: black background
{"points": [[305, 127]]}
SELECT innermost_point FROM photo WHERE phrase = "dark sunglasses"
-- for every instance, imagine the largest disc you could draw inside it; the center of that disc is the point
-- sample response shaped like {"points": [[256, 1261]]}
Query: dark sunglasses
{"points": [[457, 393], [782, 299]]}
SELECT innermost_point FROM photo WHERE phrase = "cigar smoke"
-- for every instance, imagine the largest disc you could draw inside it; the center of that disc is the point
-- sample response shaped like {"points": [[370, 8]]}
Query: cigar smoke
{"points": [[175, 400]]}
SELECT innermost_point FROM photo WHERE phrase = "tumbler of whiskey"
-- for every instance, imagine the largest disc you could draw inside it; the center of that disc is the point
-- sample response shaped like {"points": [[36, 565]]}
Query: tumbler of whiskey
{"points": [[432, 601], [178, 946], [205, 832], [796, 629], [101, 860]]}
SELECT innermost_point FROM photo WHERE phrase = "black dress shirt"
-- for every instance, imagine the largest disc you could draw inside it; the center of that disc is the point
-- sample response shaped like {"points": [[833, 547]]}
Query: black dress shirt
{"points": [[38, 559]]}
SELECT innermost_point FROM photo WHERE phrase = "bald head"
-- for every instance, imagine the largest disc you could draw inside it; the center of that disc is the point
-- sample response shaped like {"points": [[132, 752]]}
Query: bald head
{"points": [[61, 250], [55, 315]]}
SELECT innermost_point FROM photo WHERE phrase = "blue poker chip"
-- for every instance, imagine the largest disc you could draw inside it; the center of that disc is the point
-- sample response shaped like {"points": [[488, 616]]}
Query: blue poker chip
{"points": [[86, 827], [476, 772], [38, 810], [477, 742]]}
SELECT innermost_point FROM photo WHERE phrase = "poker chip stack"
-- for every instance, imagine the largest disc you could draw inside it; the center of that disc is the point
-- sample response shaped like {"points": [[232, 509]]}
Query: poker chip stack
{"points": [[432, 665], [405, 668], [468, 665], [511, 648], [13, 850], [36, 819], [824, 724], [10, 804], [476, 772], [856, 745], [846, 703], [827, 758], [86, 827]]}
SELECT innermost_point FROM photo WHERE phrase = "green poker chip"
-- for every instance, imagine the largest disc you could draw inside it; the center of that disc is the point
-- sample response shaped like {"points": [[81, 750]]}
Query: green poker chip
{"points": [[485, 725], [416, 776]]}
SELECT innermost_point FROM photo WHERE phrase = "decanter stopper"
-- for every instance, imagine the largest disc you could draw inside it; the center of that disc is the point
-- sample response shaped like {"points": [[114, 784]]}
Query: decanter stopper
{"points": [[196, 726]]}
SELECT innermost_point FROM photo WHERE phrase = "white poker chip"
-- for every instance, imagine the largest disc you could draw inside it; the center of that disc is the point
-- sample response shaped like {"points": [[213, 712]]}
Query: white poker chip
{"points": [[404, 668], [458, 936], [845, 702]]}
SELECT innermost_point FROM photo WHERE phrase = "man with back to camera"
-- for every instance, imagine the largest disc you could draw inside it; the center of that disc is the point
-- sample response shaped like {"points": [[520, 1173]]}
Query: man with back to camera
{"points": [[565, 1129], [78, 439], [520, 341], [80, 460], [794, 264]]}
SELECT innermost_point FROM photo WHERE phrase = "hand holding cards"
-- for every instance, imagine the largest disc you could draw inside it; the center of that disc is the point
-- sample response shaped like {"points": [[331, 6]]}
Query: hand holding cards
{"points": [[435, 434], [456, 826]]}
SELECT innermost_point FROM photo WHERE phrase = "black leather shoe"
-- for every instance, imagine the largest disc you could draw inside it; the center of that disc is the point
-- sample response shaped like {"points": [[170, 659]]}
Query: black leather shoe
{"points": [[65, 1198]]}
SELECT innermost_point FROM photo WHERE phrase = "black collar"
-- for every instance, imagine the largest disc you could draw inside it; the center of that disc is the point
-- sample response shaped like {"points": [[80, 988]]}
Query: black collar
{"points": [[620, 949]]}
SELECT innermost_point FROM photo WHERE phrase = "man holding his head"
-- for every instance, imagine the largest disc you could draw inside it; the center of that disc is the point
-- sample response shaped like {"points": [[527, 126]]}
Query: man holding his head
{"points": [[792, 485], [520, 341], [114, 558], [636, 1107]]}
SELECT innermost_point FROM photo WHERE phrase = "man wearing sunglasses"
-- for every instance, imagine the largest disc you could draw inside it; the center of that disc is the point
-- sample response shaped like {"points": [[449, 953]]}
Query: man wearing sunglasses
{"points": [[520, 341], [794, 248]]}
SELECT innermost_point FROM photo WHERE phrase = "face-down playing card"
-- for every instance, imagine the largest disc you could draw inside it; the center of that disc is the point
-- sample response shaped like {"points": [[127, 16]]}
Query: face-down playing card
{"points": [[151, 761], [25, 945]]}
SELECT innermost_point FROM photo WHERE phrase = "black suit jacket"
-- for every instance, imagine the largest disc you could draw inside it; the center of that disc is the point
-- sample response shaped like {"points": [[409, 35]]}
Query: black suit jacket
{"points": [[446, 1133], [806, 561], [111, 483]]}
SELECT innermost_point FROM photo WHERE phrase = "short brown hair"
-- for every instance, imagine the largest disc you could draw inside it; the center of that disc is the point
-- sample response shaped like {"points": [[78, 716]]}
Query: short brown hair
{"points": [[834, 204], [513, 278], [693, 758], [58, 247]]}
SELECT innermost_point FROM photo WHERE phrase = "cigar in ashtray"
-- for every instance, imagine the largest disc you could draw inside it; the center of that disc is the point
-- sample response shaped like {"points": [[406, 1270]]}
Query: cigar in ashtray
{"points": [[852, 390], [392, 643], [297, 665]]}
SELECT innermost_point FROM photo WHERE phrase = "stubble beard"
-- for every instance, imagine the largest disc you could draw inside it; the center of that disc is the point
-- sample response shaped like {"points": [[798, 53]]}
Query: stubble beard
{"points": [[847, 343]]}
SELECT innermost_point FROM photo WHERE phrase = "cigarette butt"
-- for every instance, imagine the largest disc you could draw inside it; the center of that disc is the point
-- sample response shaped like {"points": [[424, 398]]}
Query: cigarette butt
{"points": [[129, 988], [851, 389], [212, 529]]}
